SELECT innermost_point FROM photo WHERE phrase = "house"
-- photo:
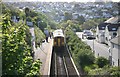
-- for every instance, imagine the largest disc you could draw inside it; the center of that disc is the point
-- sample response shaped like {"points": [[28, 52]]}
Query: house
{"points": [[62, 17], [112, 20], [75, 15], [100, 32], [103, 30], [110, 32], [115, 51]]}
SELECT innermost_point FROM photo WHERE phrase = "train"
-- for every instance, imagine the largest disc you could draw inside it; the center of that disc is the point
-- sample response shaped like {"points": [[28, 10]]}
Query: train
{"points": [[58, 39]]}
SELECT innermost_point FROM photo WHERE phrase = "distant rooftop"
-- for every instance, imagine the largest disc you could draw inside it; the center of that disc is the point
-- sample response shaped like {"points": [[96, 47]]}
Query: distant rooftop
{"points": [[113, 20], [112, 23]]}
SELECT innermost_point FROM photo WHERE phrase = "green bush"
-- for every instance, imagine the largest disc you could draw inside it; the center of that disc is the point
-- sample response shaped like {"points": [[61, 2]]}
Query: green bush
{"points": [[16, 49], [101, 62], [85, 57], [81, 53], [105, 71], [115, 71]]}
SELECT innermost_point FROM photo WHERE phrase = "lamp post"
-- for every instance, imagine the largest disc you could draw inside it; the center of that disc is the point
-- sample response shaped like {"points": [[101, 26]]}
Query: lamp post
{"points": [[93, 47], [93, 41]]}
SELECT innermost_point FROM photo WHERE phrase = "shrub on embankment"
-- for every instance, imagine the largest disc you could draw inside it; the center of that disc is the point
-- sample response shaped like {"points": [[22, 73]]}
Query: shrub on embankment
{"points": [[39, 36], [81, 52], [85, 59]]}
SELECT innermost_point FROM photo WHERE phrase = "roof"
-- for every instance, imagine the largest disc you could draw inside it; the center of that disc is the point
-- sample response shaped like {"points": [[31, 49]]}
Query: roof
{"points": [[58, 33], [112, 20], [113, 27], [116, 40], [102, 26]]}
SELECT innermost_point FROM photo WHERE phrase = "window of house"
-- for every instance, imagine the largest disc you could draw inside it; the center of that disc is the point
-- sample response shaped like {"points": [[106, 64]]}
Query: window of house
{"points": [[114, 34], [118, 62], [113, 28], [113, 45], [103, 27], [106, 39], [97, 36], [113, 63]]}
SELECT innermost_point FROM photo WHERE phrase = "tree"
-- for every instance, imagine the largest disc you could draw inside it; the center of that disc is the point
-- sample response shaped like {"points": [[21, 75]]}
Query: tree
{"points": [[39, 36], [33, 14], [27, 11], [80, 19], [68, 16], [42, 25], [52, 24], [16, 51]]}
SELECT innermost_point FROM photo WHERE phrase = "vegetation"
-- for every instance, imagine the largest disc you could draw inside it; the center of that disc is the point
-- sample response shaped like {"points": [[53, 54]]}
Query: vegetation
{"points": [[74, 25], [105, 71], [80, 23], [17, 40], [101, 62], [17, 59], [17, 46], [40, 20], [81, 52], [84, 58], [68, 16], [39, 36], [92, 23], [0, 47]]}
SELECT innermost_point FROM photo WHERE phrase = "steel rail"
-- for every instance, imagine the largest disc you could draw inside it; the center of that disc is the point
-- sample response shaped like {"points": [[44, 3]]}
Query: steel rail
{"points": [[65, 67]]}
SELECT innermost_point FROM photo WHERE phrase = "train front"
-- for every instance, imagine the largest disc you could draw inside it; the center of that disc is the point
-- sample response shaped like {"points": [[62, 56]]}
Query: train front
{"points": [[58, 39]]}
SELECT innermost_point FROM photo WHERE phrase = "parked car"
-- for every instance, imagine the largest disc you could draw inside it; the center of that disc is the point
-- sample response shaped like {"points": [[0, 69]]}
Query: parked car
{"points": [[88, 34]]}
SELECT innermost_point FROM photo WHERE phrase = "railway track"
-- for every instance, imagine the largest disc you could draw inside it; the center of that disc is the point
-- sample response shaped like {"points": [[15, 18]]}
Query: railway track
{"points": [[61, 65]]}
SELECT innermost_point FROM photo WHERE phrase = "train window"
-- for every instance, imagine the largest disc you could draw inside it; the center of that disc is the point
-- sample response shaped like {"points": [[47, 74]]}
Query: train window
{"points": [[58, 41], [55, 42]]}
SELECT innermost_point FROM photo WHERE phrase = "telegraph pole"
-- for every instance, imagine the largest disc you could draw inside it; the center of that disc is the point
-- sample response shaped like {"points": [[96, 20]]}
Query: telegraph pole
{"points": [[93, 47]]}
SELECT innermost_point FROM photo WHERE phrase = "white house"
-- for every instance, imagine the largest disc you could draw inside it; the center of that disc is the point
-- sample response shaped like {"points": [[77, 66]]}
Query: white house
{"points": [[104, 30], [110, 32], [100, 32], [115, 51]]}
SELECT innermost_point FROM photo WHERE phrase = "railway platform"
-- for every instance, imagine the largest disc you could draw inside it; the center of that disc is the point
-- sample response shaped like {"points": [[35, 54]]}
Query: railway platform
{"points": [[44, 53]]}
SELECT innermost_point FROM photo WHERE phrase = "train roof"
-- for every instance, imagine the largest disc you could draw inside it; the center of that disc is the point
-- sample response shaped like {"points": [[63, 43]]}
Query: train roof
{"points": [[58, 33]]}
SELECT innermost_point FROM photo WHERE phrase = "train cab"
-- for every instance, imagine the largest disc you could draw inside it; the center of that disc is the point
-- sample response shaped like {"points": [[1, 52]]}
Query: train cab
{"points": [[58, 38]]}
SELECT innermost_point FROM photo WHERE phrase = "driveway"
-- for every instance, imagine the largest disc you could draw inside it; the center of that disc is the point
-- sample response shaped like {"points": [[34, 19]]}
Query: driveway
{"points": [[98, 48]]}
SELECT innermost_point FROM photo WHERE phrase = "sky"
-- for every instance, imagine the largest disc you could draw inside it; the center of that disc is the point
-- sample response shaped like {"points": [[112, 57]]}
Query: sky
{"points": [[56, 0]]}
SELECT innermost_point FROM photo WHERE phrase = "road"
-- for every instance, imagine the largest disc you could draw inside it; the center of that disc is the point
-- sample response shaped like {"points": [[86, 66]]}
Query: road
{"points": [[98, 48]]}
